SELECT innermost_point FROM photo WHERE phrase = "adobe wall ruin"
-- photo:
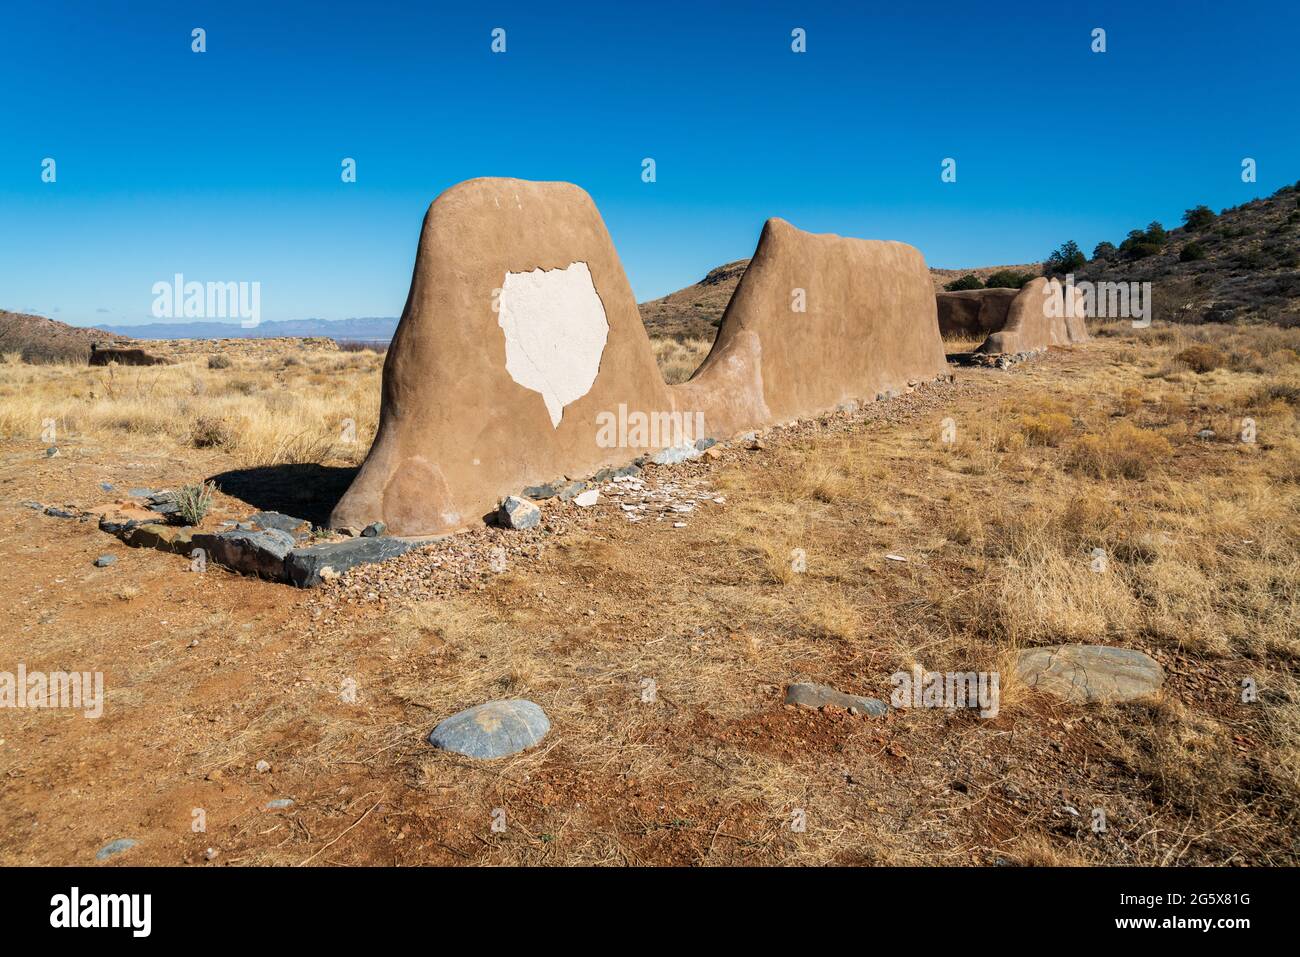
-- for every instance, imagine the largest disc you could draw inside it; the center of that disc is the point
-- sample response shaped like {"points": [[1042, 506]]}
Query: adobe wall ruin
{"points": [[521, 336], [1013, 321]]}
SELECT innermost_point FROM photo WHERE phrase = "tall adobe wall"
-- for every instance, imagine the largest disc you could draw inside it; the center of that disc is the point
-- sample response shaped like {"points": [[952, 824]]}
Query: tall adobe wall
{"points": [[521, 340]]}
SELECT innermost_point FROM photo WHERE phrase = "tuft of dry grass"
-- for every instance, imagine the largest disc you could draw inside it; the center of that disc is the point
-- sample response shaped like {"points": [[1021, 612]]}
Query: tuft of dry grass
{"points": [[1124, 451]]}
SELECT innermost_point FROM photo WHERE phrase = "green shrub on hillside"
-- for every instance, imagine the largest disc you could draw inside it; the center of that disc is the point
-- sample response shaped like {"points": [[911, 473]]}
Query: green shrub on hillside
{"points": [[968, 281], [1104, 250], [1064, 259], [1008, 279], [1198, 217], [1191, 253]]}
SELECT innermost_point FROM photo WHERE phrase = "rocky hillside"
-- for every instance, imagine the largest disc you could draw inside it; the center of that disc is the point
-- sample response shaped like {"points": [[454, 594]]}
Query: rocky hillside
{"points": [[39, 340], [694, 312], [1241, 264]]}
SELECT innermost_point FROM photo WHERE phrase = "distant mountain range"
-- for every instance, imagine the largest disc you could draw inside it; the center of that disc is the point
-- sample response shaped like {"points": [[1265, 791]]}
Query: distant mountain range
{"points": [[378, 328]]}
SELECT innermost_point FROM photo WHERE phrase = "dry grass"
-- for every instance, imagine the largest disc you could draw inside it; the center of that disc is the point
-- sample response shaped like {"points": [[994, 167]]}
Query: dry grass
{"points": [[282, 405], [1097, 448]]}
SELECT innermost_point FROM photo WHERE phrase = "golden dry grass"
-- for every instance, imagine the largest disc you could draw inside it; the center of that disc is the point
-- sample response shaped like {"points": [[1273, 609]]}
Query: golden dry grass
{"points": [[1094, 449]]}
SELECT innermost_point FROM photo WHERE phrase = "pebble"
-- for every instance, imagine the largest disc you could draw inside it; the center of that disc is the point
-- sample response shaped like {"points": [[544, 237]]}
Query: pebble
{"points": [[114, 847]]}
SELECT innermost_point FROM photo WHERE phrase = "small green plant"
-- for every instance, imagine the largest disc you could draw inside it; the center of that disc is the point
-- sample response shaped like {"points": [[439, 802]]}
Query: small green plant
{"points": [[1191, 253], [968, 281], [193, 502]]}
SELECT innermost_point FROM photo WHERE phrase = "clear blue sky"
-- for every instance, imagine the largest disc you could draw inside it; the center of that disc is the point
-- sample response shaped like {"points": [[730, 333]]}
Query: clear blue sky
{"points": [[225, 165]]}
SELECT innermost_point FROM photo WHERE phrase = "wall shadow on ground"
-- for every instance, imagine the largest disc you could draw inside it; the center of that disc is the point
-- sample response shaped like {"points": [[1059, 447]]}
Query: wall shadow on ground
{"points": [[307, 491]]}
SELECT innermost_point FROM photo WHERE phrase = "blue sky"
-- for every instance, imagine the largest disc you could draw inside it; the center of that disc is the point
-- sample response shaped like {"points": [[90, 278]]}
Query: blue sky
{"points": [[224, 166]]}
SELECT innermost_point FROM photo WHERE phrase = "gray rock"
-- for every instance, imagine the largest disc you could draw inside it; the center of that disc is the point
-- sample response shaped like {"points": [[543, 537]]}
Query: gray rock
{"points": [[819, 696], [52, 451], [675, 455], [299, 528], [493, 729], [570, 490], [141, 492], [164, 508], [106, 486], [114, 525], [34, 505], [59, 512], [103, 561], [609, 474], [259, 553], [1082, 674], [114, 847], [703, 444], [518, 513], [544, 491], [303, 566], [1206, 434], [279, 803], [374, 530]]}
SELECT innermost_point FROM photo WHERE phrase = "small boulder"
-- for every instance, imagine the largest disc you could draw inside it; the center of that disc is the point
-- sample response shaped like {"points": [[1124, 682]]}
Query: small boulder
{"points": [[493, 729], [103, 561], [518, 513], [374, 530], [587, 498], [819, 696], [1081, 674]]}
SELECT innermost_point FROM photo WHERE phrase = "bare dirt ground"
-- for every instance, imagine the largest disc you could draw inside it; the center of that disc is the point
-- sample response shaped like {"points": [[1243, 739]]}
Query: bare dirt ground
{"points": [[208, 674]]}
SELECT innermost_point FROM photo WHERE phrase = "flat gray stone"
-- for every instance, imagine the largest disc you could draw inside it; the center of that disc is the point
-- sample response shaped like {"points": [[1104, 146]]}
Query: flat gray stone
{"points": [[299, 528], [609, 474], [303, 566], [114, 847], [540, 493], [59, 512], [819, 696], [279, 804], [570, 490], [519, 513], [1082, 674], [259, 553], [103, 561], [140, 492], [493, 729], [374, 530]]}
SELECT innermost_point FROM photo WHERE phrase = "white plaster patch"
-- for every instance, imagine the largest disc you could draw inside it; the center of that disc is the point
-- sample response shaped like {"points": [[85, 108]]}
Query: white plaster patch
{"points": [[555, 329]]}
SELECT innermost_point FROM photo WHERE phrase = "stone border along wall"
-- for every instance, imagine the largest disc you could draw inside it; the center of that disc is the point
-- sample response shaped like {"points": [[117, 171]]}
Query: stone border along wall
{"points": [[1014, 322]]}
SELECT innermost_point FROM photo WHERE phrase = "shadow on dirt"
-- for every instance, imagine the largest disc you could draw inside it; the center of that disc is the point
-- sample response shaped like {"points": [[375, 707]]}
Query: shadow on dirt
{"points": [[304, 491]]}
